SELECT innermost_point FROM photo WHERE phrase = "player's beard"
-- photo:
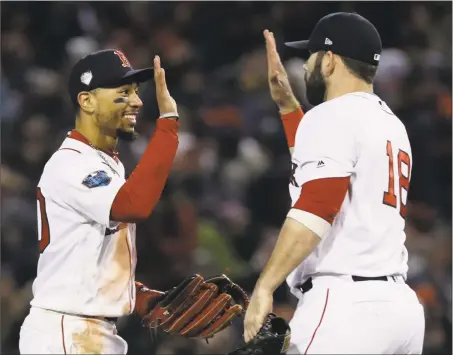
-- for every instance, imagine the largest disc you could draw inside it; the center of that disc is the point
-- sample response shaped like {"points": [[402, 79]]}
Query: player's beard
{"points": [[126, 136], [315, 85]]}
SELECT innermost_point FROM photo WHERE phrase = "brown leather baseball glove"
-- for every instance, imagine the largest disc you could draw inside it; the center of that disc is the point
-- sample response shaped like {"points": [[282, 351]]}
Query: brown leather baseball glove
{"points": [[196, 308]]}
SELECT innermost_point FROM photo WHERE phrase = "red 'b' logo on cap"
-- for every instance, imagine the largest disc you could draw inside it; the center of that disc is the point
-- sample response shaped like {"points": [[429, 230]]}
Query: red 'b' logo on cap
{"points": [[123, 58]]}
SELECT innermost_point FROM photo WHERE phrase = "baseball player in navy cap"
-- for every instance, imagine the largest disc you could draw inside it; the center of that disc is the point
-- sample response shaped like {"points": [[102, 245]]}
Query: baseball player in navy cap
{"points": [[342, 246], [87, 211]]}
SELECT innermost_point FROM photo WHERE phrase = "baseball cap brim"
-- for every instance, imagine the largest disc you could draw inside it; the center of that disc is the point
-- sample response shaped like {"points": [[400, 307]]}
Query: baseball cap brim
{"points": [[138, 76], [133, 76], [297, 44]]}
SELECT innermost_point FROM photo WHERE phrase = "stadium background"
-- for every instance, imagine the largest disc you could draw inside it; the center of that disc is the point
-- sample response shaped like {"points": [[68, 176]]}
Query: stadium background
{"points": [[227, 195]]}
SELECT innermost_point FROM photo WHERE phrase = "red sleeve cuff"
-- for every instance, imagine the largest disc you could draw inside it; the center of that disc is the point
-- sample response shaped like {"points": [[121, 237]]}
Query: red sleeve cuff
{"points": [[290, 123]]}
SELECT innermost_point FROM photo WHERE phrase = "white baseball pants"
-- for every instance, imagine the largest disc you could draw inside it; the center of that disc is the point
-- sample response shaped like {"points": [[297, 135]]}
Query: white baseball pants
{"points": [[340, 316], [48, 332]]}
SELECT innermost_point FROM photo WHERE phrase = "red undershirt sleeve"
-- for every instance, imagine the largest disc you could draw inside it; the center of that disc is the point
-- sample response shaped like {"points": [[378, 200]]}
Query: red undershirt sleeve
{"points": [[140, 193], [323, 197], [290, 123]]}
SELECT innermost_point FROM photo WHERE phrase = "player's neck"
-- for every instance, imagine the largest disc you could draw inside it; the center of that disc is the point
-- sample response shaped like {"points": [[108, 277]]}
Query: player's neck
{"points": [[346, 87], [95, 136]]}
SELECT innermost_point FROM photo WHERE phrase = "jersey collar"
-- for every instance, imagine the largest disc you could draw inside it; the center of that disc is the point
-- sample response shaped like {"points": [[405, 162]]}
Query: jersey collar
{"points": [[81, 138]]}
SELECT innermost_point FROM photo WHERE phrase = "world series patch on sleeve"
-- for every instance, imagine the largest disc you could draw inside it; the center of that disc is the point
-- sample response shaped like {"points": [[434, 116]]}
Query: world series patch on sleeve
{"points": [[96, 179]]}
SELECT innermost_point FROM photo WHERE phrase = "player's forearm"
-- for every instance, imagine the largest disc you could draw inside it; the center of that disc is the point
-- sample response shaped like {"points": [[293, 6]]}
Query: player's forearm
{"points": [[294, 244], [141, 192], [291, 121]]}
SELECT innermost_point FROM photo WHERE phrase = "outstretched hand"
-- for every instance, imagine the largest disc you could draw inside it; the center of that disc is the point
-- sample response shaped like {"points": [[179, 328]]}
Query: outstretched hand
{"points": [[279, 85], [166, 103]]}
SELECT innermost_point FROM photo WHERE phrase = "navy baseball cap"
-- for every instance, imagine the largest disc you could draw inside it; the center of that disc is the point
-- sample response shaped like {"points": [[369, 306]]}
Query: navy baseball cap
{"points": [[346, 34], [104, 69]]}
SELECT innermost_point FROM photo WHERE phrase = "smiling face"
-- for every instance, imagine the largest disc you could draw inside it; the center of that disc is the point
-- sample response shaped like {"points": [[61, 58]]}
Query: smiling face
{"points": [[118, 110], [115, 110]]}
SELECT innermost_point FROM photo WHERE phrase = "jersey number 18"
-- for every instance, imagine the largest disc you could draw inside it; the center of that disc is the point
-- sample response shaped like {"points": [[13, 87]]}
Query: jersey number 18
{"points": [[390, 198]]}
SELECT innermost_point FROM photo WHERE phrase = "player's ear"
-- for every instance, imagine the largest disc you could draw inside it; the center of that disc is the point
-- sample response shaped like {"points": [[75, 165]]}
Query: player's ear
{"points": [[329, 63], [87, 101]]}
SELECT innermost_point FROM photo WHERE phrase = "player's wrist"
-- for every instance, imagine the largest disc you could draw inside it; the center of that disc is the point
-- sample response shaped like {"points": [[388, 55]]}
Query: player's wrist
{"points": [[170, 116], [289, 107], [263, 287]]}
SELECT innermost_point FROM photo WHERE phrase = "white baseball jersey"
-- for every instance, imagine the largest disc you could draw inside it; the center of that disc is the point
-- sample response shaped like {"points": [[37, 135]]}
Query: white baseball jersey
{"points": [[356, 136], [87, 262]]}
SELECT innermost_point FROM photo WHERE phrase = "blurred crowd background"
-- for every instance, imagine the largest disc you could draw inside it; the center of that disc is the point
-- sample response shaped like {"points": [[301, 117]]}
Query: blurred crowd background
{"points": [[228, 192]]}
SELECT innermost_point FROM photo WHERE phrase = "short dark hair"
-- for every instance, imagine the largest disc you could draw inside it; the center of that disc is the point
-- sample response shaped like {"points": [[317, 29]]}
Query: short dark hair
{"points": [[361, 70]]}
